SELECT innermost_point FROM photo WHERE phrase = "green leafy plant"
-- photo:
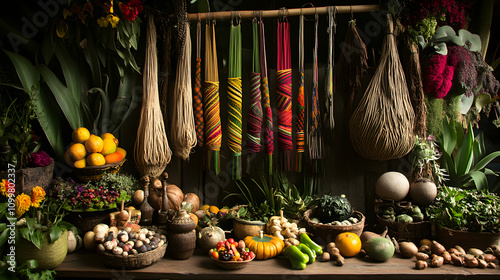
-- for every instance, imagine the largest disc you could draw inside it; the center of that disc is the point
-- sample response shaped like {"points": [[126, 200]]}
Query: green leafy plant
{"points": [[464, 157], [469, 210], [333, 208], [292, 200]]}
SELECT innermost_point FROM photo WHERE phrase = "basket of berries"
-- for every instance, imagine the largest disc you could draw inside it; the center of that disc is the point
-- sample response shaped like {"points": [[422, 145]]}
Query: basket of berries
{"points": [[230, 254]]}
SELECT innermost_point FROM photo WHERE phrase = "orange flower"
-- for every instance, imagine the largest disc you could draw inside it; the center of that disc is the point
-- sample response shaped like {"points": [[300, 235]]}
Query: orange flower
{"points": [[23, 203], [37, 196], [3, 187]]}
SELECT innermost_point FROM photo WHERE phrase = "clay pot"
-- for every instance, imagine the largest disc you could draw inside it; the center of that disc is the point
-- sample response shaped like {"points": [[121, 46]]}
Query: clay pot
{"points": [[182, 236]]}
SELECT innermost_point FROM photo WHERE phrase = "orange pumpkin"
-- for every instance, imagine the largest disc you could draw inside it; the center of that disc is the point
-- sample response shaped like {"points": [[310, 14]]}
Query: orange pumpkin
{"points": [[264, 246]]}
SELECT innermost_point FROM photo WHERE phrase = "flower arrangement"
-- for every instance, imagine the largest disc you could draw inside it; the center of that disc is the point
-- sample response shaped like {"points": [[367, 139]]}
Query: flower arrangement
{"points": [[94, 196]]}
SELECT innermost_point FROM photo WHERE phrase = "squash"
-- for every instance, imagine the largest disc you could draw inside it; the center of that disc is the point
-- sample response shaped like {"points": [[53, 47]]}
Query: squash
{"points": [[194, 218], [264, 246], [175, 197], [194, 200]]}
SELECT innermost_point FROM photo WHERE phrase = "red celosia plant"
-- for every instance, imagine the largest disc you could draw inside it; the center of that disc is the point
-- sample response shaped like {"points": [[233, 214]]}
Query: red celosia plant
{"points": [[447, 12], [131, 9]]}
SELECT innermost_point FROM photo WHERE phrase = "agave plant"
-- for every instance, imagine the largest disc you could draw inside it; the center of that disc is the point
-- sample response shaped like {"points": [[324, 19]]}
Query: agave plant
{"points": [[464, 157]]}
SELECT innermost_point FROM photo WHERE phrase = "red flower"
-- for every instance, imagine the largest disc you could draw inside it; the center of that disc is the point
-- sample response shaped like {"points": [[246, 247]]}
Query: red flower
{"points": [[131, 9]]}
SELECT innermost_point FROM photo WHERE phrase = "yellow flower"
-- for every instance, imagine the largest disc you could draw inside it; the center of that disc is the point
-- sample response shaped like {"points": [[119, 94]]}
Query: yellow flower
{"points": [[61, 29], [23, 202], [113, 20], [37, 196], [102, 22], [3, 187]]}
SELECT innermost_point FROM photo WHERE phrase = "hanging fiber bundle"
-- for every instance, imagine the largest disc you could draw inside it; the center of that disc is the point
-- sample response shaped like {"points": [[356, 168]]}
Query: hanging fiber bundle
{"points": [[255, 115], [315, 139], [267, 99], [211, 105], [165, 37], [332, 28], [183, 130], [197, 95], [351, 66], [381, 127], [151, 150], [284, 94], [234, 99], [299, 132]]}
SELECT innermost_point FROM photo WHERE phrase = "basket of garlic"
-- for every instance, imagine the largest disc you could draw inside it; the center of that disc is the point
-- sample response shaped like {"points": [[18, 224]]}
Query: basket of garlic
{"points": [[287, 231]]}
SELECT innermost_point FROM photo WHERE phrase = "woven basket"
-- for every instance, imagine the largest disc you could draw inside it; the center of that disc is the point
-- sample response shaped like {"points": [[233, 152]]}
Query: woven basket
{"points": [[413, 232], [133, 261], [95, 173], [231, 265], [87, 220], [325, 234]]}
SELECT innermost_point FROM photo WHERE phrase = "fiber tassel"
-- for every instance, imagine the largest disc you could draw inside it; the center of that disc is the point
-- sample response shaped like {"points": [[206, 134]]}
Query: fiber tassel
{"points": [[255, 114], [332, 28], [213, 131], [267, 100], [299, 134], [197, 94], [284, 95], [234, 100], [315, 138]]}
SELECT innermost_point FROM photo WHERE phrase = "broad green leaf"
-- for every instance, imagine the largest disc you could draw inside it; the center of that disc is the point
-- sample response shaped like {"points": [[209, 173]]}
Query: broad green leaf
{"points": [[28, 75], [448, 164], [466, 103], [449, 138], [483, 162], [472, 42], [463, 159], [48, 48], [125, 102], [69, 106], [55, 233], [31, 264], [4, 234], [37, 238], [480, 180], [92, 58], [71, 72], [25, 233]]}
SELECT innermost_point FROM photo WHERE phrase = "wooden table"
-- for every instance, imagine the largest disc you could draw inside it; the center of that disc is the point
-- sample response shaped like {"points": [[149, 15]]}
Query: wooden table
{"points": [[200, 266]]}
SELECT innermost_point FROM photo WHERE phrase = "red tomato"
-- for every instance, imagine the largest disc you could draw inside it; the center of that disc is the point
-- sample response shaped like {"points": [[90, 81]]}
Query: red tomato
{"points": [[215, 254], [220, 244], [231, 240]]}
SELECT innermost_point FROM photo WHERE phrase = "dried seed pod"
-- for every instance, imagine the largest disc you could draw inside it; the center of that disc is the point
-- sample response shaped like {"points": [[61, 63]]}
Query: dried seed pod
{"points": [[425, 249], [446, 256], [420, 264], [457, 260], [421, 256], [471, 262], [482, 264], [437, 261], [325, 257], [437, 248]]}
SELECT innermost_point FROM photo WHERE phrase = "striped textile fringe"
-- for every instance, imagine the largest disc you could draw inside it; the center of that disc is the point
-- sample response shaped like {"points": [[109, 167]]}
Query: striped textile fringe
{"points": [[300, 139], [183, 130], [151, 150], [234, 100], [315, 139], [197, 95], [211, 105], [284, 95], [255, 114], [332, 28], [267, 99]]}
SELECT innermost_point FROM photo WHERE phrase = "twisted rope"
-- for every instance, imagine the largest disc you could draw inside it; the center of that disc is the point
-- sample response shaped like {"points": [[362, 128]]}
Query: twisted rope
{"points": [[197, 95]]}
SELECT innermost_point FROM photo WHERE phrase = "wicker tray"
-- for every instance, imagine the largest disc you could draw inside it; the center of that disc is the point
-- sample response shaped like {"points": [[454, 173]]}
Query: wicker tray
{"points": [[231, 265], [133, 261], [325, 234], [95, 173], [413, 232]]}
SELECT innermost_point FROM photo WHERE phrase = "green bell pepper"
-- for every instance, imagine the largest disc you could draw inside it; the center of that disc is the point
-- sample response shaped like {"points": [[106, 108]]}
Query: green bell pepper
{"points": [[304, 238], [297, 258], [310, 253]]}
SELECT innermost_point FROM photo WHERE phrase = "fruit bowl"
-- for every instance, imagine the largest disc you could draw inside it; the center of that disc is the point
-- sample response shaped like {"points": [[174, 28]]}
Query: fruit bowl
{"points": [[231, 264], [95, 173]]}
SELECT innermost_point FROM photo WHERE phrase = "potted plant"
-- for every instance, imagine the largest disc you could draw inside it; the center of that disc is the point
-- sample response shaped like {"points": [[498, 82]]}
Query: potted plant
{"points": [[91, 203], [20, 148], [40, 234]]}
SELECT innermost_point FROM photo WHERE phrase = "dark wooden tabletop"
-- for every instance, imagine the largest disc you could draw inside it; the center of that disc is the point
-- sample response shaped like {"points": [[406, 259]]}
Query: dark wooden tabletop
{"points": [[85, 264]]}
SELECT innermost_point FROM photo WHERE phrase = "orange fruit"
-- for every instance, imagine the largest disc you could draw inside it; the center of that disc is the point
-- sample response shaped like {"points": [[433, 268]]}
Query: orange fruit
{"points": [[121, 151], [108, 146], [80, 135], [113, 157], [214, 209], [108, 135], [94, 144], [77, 151], [96, 159], [348, 243], [80, 163]]}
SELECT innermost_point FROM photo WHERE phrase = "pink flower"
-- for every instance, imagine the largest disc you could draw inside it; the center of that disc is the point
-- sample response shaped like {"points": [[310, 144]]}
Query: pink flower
{"points": [[131, 9]]}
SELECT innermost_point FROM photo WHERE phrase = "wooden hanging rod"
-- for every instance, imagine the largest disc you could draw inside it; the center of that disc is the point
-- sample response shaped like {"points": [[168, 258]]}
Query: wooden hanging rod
{"points": [[283, 12]]}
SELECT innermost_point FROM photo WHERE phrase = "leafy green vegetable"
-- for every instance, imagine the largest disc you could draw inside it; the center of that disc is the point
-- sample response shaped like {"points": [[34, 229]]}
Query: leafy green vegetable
{"points": [[333, 208]]}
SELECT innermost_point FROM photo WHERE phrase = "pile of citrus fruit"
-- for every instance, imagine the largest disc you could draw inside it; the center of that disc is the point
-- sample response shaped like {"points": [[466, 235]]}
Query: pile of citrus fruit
{"points": [[91, 150]]}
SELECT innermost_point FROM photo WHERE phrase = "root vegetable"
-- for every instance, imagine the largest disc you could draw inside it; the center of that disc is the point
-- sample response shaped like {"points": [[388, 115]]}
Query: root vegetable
{"points": [[278, 234], [482, 264], [294, 241], [425, 249], [420, 264], [339, 260], [471, 262], [333, 251], [446, 256], [454, 251], [325, 257], [457, 260], [475, 252], [408, 249], [437, 248], [437, 261], [488, 257], [425, 241], [330, 245], [492, 265], [460, 249], [421, 256], [362, 253]]}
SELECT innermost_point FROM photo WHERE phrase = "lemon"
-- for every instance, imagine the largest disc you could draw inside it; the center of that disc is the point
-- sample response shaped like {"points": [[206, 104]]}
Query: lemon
{"points": [[77, 152], [80, 135], [108, 135], [80, 163], [108, 146], [96, 159], [94, 144]]}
